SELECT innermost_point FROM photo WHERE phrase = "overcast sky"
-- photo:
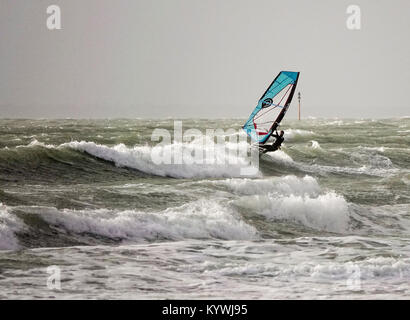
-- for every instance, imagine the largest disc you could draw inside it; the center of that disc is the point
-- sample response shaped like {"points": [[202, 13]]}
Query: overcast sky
{"points": [[208, 58]]}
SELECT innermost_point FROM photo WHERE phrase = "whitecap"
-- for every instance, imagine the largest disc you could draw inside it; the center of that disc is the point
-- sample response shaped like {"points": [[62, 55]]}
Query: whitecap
{"points": [[202, 219]]}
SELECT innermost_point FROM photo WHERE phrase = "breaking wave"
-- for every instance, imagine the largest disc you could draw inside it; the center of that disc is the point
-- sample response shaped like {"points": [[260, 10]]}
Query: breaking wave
{"points": [[293, 134], [287, 185], [368, 269], [326, 212], [297, 200], [202, 219], [9, 225], [218, 161], [315, 145]]}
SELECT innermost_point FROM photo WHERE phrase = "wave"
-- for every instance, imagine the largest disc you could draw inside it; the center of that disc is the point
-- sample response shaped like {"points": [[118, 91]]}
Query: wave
{"points": [[385, 219], [379, 149], [368, 160], [288, 198], [326, 212], [367, 164], [292, 134], [374, 160], [368, 269], [239, 209], [215, 160], [315, 145], [335, 123], [36, 143], [279, 156], [223, 159], [363, 170], [293, 199], [303, 201], [298, 200], [202, 219], [371, 268], [179, 160], [287, 185], [9, 225], [375, 165]]}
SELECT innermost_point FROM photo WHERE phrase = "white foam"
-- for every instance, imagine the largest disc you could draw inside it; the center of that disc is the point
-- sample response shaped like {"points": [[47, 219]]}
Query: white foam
{"points": [[287, 185], [291, 198], [377, 168], [405, 180], [248, 269], [36, 143], [368, 269], [335, 123], [280, 156], [9, 225], [224, 162], [326, 212], [315, 145], [281, 260], [293, 133], [202, 219], [371, 268], [379, 149], [372, 159]]}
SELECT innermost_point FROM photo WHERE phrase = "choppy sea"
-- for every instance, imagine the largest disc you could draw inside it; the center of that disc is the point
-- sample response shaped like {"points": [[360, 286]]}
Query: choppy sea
{"points": [[325, 217]]}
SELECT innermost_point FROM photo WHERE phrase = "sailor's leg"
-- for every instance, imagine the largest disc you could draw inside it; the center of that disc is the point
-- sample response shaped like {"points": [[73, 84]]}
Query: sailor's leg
{"points": [[265, 148]]}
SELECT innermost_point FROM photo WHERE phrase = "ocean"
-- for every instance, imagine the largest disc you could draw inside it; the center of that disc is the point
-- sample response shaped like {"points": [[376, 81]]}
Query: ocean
{"points": [[83, 202]]}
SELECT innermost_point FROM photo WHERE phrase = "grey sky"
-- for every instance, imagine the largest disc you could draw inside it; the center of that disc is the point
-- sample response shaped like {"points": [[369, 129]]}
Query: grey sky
{"points": [[208, 58]]}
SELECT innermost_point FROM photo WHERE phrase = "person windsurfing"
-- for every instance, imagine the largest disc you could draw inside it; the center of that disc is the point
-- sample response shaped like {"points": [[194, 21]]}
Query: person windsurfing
{"points": [[270, 111], [276, 145]]}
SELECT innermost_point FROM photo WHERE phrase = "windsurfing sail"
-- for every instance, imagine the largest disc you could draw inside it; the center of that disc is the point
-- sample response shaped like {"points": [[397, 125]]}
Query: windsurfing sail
{"points": [[272, 107]]}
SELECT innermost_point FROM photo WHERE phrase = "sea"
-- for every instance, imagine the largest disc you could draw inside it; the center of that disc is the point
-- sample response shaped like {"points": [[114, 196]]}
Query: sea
{"points": [[88, 212]]}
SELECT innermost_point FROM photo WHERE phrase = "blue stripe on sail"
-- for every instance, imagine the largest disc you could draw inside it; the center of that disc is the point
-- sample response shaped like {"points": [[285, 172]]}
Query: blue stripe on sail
{"points": [[291, 74], [282, 80]]}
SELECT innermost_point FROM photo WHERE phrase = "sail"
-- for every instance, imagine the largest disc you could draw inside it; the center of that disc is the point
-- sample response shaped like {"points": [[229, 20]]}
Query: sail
{"points": [[271, 107]]}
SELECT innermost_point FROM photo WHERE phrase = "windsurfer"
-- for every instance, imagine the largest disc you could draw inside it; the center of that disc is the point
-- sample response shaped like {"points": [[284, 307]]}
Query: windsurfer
{"points": [[276, 145]]}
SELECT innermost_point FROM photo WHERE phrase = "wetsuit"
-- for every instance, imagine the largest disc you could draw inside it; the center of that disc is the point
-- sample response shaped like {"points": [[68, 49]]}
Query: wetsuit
{"points": [[275, 146]]}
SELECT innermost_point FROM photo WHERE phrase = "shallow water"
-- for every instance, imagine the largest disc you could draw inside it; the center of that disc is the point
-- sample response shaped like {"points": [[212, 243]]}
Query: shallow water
{"points": [[328, 216]]}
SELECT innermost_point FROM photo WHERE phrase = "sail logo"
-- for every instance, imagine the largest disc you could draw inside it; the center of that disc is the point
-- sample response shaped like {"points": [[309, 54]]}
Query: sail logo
{"points": [[267, 102]]}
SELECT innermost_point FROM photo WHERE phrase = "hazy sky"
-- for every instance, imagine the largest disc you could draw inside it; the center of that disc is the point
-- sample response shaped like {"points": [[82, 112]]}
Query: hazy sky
{"points": [[208, 58]]}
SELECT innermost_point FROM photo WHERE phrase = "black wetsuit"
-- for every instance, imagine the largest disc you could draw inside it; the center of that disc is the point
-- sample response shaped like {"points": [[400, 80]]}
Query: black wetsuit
{"points": [[275, 146]]}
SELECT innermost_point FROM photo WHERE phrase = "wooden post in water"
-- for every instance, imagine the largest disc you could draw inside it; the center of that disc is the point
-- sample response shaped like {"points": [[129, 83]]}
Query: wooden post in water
{"points": [[299, 103]]}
